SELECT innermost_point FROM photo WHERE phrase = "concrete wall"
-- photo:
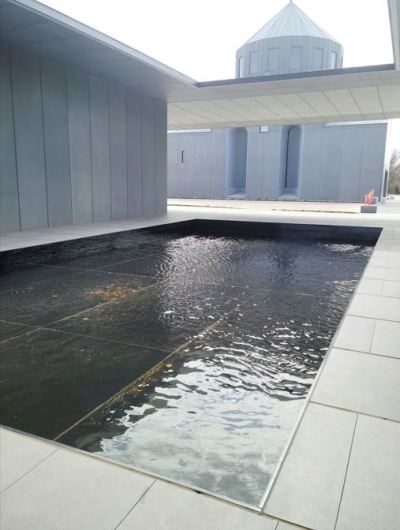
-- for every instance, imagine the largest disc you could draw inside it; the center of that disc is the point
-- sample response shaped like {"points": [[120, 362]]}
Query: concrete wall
{"points": [[336, 163], [75, 148], [342, 163], [263, 163], [201, 174]]}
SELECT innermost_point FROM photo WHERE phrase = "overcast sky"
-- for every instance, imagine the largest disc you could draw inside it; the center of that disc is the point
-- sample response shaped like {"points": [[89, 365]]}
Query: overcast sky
{"points": [[200, 37]]}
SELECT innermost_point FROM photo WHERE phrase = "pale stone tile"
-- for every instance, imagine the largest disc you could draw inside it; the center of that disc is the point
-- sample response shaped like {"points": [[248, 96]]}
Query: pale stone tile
{"points": [[72, 491], [287, 526], [383, 246], [372, 490], [386, 340], [19, 454], [378, 262], [369, 286], [379, 307], [394, 263], [169, 507], [382, 273], [361, 382], [386, 254], [391, 289], [308, 488], [355, 333]]}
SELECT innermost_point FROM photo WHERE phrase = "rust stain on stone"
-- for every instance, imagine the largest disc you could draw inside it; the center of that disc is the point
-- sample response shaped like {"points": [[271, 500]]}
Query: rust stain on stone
{"points": [[111, 293]]}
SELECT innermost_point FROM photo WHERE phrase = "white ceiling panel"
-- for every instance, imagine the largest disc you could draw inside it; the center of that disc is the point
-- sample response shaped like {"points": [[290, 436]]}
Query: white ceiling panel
{"points": [[368, 100], [343, 101]]}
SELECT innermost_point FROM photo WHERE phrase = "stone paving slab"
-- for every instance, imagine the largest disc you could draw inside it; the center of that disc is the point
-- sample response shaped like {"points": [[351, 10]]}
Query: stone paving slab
{"points": [[287, 526], [309, 486], [372, 490], [360, 382], [71, 491], [356, 333], [19, 454], [370, 286], [167, 507], [382, 308], [386, 339]]}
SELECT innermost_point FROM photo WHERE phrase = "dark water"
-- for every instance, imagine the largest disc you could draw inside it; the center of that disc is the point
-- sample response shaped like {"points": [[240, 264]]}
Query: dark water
{"points": [[209, 346]]}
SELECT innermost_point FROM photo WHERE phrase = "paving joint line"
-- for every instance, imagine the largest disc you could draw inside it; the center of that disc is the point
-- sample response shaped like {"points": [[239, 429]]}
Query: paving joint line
{"points": [[352, 411], [151, 372], [385, 356], [346, 471], [101, 339], [29, 470], [136, 503]]}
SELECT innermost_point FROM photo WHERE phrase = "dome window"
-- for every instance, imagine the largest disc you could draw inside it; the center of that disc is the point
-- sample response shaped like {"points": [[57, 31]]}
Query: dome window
{"points": [[296, 53], [253, 63], [273, 60], [241, 67], [317, 58], [333, 60]]}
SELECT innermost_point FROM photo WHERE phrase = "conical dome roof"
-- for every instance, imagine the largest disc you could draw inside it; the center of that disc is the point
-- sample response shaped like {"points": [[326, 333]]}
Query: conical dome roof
{"points": [[289, 22]]}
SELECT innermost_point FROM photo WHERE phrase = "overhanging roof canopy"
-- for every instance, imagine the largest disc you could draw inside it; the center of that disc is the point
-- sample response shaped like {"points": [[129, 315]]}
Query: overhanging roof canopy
{"points": [[36, 28], [353, 94]]}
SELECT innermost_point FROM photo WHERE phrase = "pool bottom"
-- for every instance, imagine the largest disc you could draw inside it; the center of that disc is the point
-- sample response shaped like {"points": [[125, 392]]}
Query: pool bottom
{"points": [[208, 341]]}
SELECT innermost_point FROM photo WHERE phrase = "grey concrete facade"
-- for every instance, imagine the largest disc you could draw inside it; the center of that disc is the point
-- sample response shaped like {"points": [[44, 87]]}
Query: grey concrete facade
{"points": [[75, 148], [332, 162], [336, 163]]}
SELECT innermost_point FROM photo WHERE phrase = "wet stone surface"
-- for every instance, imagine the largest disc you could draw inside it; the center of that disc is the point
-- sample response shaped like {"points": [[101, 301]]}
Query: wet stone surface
{"points": [[50, 379], [59, 297], [184, 355], [9, 330]]}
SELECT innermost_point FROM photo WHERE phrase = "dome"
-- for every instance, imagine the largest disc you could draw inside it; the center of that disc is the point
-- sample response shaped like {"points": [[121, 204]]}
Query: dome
{"points": [[291, 21]]}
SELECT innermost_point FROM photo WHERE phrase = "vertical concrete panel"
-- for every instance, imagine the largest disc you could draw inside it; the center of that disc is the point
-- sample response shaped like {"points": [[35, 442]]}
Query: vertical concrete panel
{"points": [[350, 171], [236, 161], [202, 166], [270, 181], [9, 205], [161, 157], [100, 143], [148, 156], [29, 140], [56, 141], [294, 157], [311, 167], [80, 149], [331, 163], [218, 147], [118, 157], [172, 143], [254, 165], [134, 153], [372, 167], [186, 167]]}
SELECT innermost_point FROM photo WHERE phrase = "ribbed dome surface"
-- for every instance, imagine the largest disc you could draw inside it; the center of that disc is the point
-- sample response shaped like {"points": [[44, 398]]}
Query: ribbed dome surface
{"points": [[291, 21]]}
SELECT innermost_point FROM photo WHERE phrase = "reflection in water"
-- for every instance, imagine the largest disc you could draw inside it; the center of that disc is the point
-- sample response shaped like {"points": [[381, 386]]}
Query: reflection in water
{"points": [[219, 412]]}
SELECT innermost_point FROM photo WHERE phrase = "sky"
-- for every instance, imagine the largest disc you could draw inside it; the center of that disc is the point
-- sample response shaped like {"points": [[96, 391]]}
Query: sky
{"points": [[200, 37]]}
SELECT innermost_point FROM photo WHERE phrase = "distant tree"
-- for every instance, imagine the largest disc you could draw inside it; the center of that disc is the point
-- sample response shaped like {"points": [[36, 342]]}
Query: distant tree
{"points": [[394, 173]]}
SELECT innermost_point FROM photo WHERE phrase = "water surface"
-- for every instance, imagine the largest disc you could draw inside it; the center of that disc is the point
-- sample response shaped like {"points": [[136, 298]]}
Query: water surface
{"points": [[250, 321]]}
